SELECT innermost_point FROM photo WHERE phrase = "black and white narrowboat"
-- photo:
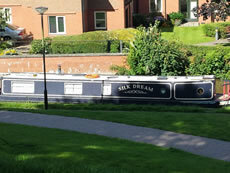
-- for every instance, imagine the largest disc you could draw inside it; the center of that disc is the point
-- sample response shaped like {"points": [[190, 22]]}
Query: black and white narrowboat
{"points": [[108, 88]]}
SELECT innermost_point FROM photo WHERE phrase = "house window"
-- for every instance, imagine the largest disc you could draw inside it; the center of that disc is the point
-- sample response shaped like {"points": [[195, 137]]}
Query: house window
{"points": [[100, 20], [73, 88], [22, 87], [155, 6], [57, 25], [7, 14]]}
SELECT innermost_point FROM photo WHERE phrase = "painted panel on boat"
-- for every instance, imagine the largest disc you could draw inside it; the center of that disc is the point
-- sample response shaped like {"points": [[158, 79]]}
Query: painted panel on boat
{"points": [[147, 90], [7, 86], [91, 89], [53, 88], [194, 90]]}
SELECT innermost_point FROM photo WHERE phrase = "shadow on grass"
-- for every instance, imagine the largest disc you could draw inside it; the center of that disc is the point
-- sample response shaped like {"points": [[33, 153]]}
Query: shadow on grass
{"points": [[41, 150], [226, 45]]}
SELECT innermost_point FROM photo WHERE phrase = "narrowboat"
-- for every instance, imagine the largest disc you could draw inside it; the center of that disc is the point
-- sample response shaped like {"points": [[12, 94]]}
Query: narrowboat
{"points": [[108, 88]]}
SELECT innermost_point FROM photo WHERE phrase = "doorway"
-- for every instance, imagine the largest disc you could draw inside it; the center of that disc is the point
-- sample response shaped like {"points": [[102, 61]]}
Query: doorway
{"points": [[186, 7]]}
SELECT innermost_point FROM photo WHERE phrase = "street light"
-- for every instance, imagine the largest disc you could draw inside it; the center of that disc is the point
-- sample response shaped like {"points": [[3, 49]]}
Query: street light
{"points": [[41, 11]]}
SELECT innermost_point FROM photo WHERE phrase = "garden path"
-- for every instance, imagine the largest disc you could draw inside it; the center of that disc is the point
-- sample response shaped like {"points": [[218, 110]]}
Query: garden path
{"points": [[214, 43]]}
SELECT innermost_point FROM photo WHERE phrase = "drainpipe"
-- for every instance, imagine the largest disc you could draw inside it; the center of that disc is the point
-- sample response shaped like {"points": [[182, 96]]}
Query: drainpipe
{"points": [[83, 14], [165, 10]]}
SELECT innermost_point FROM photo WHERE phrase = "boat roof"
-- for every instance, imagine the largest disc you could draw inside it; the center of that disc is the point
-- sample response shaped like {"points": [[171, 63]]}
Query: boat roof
{"points": [[95, 77]]}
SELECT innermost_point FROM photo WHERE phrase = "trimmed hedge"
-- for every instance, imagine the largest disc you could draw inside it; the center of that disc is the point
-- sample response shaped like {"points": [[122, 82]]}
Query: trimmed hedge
{"points": [[36, 46], [72, 47], [210, 29], [89, 42]]}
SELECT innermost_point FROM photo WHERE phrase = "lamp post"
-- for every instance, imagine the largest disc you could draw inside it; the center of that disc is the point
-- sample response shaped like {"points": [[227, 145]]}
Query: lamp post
{"points": [[41, 11]]}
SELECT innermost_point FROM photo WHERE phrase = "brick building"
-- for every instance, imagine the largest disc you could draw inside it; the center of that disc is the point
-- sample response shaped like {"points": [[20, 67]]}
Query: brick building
{"points": [[68, 17]]}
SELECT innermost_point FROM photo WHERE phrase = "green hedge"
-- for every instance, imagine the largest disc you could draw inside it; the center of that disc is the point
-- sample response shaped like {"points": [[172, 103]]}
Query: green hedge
{"points": [[209, 61], [71, 47], [36, 46], [210, 29], [89, 42]]}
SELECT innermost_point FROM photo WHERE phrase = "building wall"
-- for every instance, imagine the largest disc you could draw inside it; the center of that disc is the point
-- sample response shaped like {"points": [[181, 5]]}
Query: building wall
{"points": [[114, 11], [76, 64], [171, 6], [24, 15], [55, 6], [116, 19]]}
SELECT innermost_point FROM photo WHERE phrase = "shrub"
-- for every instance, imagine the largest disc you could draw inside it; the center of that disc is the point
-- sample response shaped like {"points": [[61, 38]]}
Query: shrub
{"points": [[5, 45], [139, 20], [156, 16], [72, 47], [216, 62], [210, 29], [36, 46], [176, 18], [151, 55], [127, 34], [120, 70], [114, 46], [8, 52], [92, 42]]}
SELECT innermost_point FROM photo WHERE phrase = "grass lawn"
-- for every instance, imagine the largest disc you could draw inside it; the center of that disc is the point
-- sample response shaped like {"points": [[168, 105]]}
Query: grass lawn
{"points": [[213, 123], [186, 35], [25, 149]]}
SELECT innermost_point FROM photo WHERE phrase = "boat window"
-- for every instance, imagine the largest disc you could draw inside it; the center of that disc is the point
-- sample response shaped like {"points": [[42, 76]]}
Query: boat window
{"points": [[73, 88], [107, 89], [200, 91], [22, 87]]}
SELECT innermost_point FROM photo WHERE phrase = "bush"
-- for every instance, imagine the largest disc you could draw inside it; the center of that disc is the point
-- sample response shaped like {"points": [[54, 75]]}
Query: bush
{"points": [[72, 47], [114, 46], [176, 15], [5, 45], [8, 52], [215, 62], [139, 20], [127, 34], [210, 29], [92, 42], [151, 55], [156, 16], [89, 42], [120, 70], [36, 46], [176, 18]]}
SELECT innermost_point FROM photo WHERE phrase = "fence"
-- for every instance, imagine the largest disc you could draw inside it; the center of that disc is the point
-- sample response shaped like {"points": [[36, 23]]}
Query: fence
{"points": [[226, 90]]}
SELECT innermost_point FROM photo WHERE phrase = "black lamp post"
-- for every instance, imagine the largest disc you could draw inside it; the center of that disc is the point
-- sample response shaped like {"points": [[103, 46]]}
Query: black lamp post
{"points": [[41, 11]]}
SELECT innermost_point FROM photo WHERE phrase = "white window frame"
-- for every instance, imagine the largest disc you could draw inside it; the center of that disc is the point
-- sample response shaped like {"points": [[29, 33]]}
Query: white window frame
{"points": [[150, 9], [107, 89], [57, 33], [75, 91], [9, 21], [24, 87], [95, 20]]}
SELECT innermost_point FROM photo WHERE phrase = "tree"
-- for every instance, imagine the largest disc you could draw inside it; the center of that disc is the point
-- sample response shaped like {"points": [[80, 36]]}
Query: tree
{"points": [[151, 55], [216, 9]]}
